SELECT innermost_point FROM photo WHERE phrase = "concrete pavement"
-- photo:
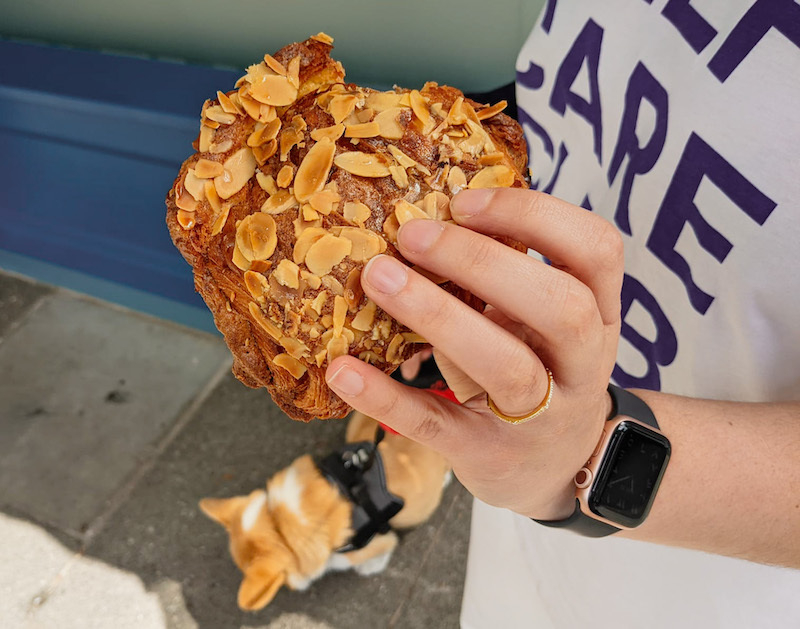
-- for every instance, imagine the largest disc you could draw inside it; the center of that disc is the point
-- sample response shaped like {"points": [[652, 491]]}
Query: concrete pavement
{"points": [[113, 426]]}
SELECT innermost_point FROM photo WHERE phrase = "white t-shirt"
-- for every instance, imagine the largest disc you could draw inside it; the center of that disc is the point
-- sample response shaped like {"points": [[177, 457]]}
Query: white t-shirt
{"points": [[680, 122]]}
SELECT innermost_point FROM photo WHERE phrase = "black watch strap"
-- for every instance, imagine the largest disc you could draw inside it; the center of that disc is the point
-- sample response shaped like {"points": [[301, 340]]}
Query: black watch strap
{"points": [[623, 403]]}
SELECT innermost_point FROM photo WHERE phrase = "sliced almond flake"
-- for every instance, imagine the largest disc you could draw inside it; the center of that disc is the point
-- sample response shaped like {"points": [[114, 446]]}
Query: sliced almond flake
{"points": [[194, 185], [251, 106], [289, 138], [341, 106], [366, 243], [390, 227], [488, 112], [309, 213], [299, 123], [404, 160], [365, 115], [256, 284], [265, 151], [319, 357], [264, 133], [473, 144], [290, 364], [211, 124], [363, 164], [268, 326], [438, 179], [339, 314], [437, 205], [326, 253], [393, 351], [287, 274], [301, 225], [228, 106], [323, 38], [381, 101], [273, 64], [479, 131], [319, 302], [256, 236], [389, 125], [405, 211], [267, 183], [186, 219], [207, 169], [499, 176], [239, 260], [267, 113], [356, 212], [363, 130], [238, 169], [279, 202], [309, 278], [274, 90], [333, 285], [470, 113], [438, 109], [337, 346], [260, 266], [304, 242], [222, 218], [333, 133], [324, 201], [185, 201], [212, 196], [456, 180], [285, 176], [294, 72], [353, 292], [220, 147], [294, 347], [314, 169], [457, 115], [399, 175], [217, 114], [204, 141], [491, 159], [421, 111]]}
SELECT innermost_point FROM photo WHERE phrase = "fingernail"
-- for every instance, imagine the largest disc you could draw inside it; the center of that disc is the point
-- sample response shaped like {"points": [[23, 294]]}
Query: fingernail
{"points": [[468, 203], [346, 381], [419, 235], [385, 274]]}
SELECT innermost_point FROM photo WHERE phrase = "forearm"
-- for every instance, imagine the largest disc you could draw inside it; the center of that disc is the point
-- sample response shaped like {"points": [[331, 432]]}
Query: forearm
{"points": [[733, 483]]}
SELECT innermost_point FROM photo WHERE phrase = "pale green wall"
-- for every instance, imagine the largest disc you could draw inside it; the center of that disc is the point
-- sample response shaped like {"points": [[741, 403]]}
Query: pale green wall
{"points": [[471, 44]]}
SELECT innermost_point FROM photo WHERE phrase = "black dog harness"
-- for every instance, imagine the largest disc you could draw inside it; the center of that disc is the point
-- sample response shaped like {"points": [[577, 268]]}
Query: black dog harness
{"points": [[357, 470]]}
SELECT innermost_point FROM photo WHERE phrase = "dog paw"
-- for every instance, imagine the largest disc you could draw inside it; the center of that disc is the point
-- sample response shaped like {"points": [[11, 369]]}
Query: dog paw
{"points": [[375, 565]]}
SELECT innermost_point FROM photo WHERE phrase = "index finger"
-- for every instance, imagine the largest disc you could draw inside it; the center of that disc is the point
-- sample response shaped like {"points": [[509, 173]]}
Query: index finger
{"points": [[575, 240]]}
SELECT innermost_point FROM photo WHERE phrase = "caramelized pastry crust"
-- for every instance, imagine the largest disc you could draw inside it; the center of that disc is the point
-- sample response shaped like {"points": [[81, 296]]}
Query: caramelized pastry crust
{"points": [[298, 180]]}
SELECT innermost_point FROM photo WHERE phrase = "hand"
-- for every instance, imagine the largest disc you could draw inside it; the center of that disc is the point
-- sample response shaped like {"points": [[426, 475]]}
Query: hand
{"points": [[564, 316]]}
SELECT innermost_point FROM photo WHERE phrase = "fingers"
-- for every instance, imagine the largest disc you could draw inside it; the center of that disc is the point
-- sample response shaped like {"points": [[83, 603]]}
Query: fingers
{"points": [[572, 238], [558, 307], [497, 360], [415, 413]]}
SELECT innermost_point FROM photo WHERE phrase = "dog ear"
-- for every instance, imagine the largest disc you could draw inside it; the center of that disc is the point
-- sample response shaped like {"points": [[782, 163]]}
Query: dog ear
{"points": [[261, 583], [221, 510]]}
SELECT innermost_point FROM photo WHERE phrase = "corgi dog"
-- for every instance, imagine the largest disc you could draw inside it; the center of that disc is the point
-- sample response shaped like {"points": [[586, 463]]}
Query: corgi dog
{"points": [[296, 531]]}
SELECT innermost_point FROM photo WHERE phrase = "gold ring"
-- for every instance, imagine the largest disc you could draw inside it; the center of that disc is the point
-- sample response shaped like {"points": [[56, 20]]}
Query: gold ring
{"points": [[534, 413]]}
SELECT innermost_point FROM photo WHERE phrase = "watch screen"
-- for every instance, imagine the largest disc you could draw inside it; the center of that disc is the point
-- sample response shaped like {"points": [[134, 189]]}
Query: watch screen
{"points": [[632, 470]]}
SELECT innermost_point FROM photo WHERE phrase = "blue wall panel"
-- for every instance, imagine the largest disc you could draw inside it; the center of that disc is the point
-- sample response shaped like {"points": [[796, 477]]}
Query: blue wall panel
{"points": [[89, 146]]}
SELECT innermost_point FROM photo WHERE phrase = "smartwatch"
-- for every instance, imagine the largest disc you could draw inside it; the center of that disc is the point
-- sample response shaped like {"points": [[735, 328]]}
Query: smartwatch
{"points": [[617, 486]]}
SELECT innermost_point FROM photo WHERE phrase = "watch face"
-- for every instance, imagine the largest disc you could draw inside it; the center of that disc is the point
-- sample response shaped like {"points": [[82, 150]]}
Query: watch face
{"points": [[630, 474]]}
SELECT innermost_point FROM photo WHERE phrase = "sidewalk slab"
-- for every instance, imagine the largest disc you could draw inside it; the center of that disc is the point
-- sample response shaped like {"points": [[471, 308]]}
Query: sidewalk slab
{"points": [[237, 440], [16, 297], [87, 390]]}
